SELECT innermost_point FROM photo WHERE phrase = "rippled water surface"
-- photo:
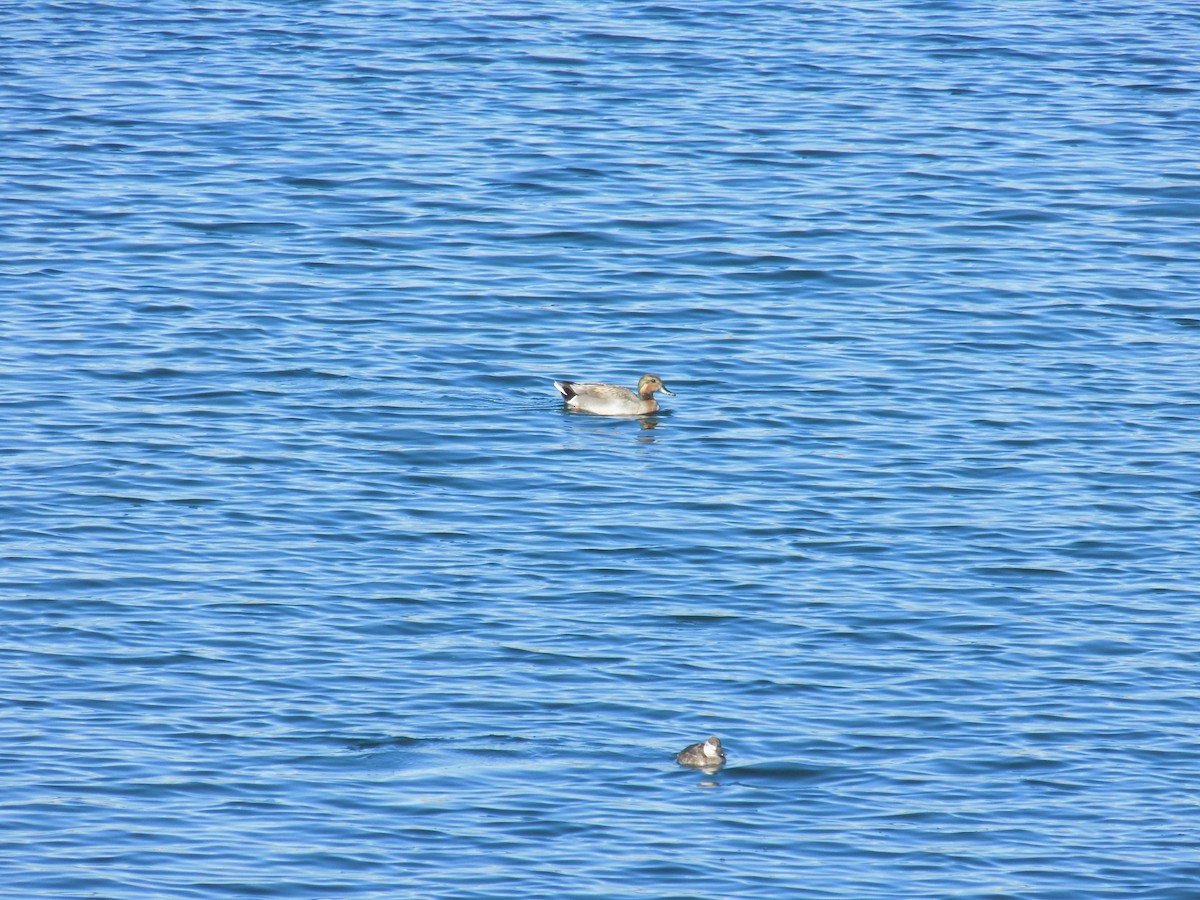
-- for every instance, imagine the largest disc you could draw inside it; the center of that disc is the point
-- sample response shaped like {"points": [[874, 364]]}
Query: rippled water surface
{"points": [[313, 589]]}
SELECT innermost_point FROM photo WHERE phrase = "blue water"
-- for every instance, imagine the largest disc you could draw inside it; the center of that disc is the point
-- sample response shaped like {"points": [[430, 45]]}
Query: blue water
{"points": [[313, 589]]}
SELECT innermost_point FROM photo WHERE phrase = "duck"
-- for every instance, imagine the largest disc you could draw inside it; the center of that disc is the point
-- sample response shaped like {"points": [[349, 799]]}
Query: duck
{"points": [[612, 399], [704, 755]]}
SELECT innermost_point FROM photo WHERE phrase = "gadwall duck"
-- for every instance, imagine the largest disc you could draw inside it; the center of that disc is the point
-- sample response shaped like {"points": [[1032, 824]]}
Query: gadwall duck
{"points": [[612, 399], [705, 755]]}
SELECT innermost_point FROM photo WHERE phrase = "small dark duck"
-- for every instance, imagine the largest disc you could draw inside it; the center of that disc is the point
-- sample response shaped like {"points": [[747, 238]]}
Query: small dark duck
{"points": [[705, 755]]}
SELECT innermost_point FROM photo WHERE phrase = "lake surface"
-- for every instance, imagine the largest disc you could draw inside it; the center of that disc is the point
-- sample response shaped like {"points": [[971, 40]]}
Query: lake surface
{"points": [[313, 589]]}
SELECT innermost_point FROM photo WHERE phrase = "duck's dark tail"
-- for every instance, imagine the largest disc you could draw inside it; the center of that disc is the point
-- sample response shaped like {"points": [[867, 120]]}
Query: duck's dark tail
{"points": [[566, 388]]}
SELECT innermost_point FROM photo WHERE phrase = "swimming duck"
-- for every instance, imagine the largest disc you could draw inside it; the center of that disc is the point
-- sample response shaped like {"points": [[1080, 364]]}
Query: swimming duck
{"points": [[612, 399], [705, 755]]}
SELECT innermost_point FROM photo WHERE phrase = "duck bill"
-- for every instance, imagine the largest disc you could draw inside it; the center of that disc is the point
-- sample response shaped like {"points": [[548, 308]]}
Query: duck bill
{"points": [[663, 388]]}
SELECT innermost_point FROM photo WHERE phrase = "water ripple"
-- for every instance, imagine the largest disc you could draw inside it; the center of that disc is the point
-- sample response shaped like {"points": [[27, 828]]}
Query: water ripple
{"points": [[314, 589]]}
